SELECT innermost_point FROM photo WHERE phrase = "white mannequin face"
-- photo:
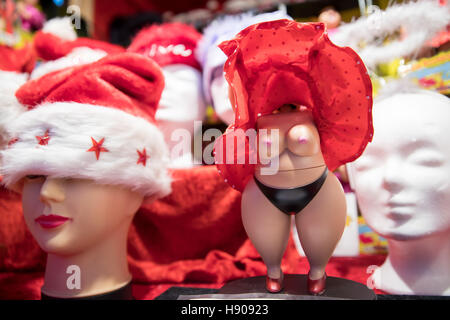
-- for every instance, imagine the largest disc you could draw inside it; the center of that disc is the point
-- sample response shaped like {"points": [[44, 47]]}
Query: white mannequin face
{"points": [[84, 213], [402, 180]]}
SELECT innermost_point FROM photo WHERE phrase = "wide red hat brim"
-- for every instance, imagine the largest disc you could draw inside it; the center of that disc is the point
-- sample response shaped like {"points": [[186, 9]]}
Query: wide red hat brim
{"points": [[285, 62]]}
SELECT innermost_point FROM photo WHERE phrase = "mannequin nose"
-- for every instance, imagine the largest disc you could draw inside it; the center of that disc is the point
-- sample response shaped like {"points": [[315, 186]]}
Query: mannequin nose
{"points": [[392, 176], [303, 140], [52, 191]]}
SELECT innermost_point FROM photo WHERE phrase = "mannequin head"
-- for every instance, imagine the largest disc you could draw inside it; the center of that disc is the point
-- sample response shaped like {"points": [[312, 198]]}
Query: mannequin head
{"points": [[89, 165], [93, 212], [330, 17], [402, 179]]}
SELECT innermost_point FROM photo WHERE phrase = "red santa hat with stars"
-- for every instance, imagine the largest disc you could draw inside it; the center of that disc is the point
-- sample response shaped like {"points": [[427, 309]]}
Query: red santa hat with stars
{"points": [[95, 121]]}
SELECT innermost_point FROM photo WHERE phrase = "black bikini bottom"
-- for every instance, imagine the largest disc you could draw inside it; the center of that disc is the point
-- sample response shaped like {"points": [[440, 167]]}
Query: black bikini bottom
{"points": [[292, 201]]}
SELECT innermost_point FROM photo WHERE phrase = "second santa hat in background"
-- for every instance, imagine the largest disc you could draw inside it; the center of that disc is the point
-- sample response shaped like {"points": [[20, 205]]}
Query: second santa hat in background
{"points": [[173, 46]]}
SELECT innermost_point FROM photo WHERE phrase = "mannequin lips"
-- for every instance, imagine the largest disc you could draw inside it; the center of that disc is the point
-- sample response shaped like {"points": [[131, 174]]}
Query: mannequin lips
{"points": [[51, 221], [400, 213]]}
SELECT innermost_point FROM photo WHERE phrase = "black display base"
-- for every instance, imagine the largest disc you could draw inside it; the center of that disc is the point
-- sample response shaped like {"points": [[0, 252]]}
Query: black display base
{"points": [[175, 292], [295, 288]]}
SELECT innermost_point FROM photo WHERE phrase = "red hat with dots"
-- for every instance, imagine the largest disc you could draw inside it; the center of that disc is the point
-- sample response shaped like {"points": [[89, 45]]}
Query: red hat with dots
{"points": [[94, 121], [285, 62]]}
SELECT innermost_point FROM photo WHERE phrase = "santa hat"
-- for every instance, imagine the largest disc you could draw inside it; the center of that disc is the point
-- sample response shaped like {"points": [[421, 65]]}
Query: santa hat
{"points": [[285, 62], [52, 47], [14, 67], [213, 59], [94, 122], [168, 44], [57, 44], [172, 46]]}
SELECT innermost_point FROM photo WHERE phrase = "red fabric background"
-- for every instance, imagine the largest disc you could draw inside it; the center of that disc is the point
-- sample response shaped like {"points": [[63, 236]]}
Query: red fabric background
{"points": [[194, 237]]}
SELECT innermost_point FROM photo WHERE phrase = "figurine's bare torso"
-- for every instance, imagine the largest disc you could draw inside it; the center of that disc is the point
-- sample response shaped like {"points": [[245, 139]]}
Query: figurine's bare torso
{"points": [[320, 223]]}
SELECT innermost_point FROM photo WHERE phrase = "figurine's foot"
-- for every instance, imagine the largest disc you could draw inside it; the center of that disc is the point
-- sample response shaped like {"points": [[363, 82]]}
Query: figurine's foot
{"points": [[317, 287], [274, 285]]}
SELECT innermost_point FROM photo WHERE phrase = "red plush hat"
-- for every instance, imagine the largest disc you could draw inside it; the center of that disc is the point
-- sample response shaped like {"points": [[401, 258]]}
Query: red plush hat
{"points": [[58, 45], [167, 44], [94, 121], [282, 62], [51, 47]]}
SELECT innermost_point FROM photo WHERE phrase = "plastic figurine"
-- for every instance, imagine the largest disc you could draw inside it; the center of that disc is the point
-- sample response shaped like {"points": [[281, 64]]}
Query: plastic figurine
{"points": [[287, 77], [84, 154], [402, 186]]}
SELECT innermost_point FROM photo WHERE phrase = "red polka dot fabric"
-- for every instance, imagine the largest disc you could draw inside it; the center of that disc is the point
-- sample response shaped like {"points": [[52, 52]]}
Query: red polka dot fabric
{"points": [[285, 62]]}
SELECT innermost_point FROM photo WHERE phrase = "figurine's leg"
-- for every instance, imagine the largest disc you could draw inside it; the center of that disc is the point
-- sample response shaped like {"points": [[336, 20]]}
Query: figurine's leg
{"points": [[321, 224], [267, 227]]}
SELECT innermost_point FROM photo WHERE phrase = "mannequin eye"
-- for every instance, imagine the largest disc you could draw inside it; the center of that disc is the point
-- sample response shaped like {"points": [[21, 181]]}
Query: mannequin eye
{"points": [[426, 158], [428, 162], [35, 177]]}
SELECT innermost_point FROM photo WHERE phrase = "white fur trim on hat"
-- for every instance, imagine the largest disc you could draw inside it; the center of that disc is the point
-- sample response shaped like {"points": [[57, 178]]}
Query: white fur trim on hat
{"points": [[420, 21], [72, 129], [77, 57], [61, 27]]}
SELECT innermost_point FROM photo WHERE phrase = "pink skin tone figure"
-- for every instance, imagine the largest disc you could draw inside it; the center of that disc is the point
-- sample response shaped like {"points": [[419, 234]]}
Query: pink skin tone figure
{"points": [[320, 224]]}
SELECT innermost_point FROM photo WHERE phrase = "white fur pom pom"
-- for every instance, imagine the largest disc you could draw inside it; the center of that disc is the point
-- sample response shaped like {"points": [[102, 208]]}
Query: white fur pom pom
{"points": [[60, 27]]}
